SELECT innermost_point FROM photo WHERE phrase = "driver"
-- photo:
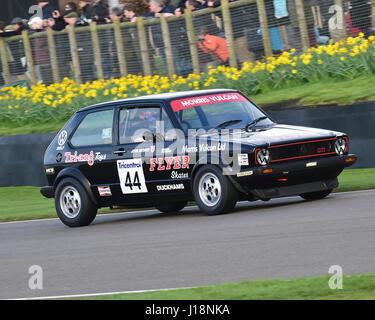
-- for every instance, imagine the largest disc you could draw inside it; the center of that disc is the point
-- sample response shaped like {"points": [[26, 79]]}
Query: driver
{"points": [[147, 125]]}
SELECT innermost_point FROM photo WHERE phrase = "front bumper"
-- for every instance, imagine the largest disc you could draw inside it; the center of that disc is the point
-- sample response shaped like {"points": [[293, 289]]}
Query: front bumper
{"points": [[47, 191], [286, 191], [292, 178]]}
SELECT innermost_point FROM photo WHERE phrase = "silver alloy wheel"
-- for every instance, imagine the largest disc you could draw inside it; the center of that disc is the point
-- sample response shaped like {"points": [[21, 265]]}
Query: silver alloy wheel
{"points": [[209, 189], [70, 202]]}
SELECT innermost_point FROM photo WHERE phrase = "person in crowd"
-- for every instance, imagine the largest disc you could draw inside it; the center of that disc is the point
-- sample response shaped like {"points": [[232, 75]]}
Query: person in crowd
{"points": [[71, 7], [129, 12], [43, 70], [47, 9], [157, 8], [214, 46], [109, 51], [86, 10], [2, 27], [100, 11], [134, 9], [18, 25], [360, 14], [57, 22], [71, 18], [309, 17], [115, 13]]}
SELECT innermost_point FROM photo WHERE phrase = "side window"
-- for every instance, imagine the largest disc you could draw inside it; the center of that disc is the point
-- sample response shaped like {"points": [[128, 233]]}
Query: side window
{"points": [[135, 122], [95, 129]]}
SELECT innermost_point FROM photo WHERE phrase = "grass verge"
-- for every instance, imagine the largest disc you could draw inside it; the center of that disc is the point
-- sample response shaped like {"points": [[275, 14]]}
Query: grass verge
{"points": [[356, 287], [26, 203]]}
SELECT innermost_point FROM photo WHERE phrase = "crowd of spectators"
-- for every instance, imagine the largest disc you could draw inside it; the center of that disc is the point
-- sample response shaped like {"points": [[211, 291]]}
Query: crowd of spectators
{"points": [[247, 33]]}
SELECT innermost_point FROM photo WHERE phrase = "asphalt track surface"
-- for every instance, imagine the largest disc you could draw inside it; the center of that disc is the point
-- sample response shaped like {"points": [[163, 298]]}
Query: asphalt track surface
{"points": [[284, 238]]}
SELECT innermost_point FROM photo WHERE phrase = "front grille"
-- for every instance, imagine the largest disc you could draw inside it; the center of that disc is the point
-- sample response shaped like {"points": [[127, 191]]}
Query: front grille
{"points": [[300, 150]]}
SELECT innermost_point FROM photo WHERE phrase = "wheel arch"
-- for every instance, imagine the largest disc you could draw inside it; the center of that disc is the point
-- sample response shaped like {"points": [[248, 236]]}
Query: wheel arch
{"points": [[77, 175], [215, 161]]}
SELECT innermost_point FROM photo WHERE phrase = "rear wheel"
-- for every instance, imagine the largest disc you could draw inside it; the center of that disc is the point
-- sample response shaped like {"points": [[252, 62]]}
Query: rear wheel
{"points": [[73, 205], [213, 192], [171, 207], [316, 195]]}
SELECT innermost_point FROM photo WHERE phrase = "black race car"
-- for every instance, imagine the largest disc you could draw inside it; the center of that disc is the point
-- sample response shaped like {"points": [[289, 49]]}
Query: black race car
{"points": [[214, 146]]}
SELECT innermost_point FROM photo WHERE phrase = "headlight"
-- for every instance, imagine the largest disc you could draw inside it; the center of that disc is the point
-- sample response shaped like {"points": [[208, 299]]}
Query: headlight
{"points": [[340, 146], [263, 157]]}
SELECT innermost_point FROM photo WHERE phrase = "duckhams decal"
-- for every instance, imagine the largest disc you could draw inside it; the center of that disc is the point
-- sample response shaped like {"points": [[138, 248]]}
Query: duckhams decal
{"points": [[169, 187], [192, 102], [168, 163]]}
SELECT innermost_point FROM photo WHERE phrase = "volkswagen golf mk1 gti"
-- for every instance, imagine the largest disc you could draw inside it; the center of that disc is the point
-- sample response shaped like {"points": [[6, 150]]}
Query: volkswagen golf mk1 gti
{"points": [[215, 147]]}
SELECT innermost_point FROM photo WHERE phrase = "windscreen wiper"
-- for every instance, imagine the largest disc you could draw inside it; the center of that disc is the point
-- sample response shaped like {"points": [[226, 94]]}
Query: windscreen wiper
{"points": [[254, 122], [227, 123]]}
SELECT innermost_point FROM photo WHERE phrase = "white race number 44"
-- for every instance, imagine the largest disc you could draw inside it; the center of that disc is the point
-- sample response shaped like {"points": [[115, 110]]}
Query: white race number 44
{"points": [[132, 179]]}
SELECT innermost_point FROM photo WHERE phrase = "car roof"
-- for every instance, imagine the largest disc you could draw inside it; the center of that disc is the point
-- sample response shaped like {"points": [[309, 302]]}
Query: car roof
{"points": [[158, 97]]}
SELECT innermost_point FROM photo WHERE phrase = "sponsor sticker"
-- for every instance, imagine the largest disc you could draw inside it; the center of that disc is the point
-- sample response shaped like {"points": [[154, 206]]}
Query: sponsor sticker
{"points": [[169, 187], [311, 164], [179, 175], [192, 102], [61, 140], [50, 171], [243, 159], [104, 191], [83, 157], [169, 163], [132, 179], [245, 173]]}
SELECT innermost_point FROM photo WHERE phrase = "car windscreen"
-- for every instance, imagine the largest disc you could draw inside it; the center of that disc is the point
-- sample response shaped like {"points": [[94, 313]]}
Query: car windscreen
{"points": [[228, 110]]}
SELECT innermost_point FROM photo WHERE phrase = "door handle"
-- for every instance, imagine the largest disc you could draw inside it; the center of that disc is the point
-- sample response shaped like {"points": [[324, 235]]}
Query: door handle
{"points": [[120, 151]]}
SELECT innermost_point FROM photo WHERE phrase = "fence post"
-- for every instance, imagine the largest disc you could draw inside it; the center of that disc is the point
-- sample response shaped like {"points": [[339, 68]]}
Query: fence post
{"points": [[341, 17], [143, 46], [74, 53], [265, 30], [192, 41], [120, 48], [4, 60], [229, 32], [53, 56], [373, 12], [96, 49], [29, 56], [302, 24], [167, 45]]}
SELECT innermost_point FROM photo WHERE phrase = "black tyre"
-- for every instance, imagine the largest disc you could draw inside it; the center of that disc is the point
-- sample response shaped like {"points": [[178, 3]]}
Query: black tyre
{"points": [[73, 205], [171, 207], [213, 192], [316, 195]]}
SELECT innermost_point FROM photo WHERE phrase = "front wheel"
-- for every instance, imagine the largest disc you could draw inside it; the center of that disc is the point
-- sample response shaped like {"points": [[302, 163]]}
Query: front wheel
{"points": [[73, 205], [213, 192], [316, 195], [171, 207]]}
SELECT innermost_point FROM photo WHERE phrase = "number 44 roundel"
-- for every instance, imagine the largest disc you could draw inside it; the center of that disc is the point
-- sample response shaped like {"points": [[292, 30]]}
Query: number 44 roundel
{"points": [[132, 179]]}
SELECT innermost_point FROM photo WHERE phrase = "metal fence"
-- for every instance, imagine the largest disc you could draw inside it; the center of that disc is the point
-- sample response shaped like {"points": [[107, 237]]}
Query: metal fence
{"points": [[253, 29]]}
